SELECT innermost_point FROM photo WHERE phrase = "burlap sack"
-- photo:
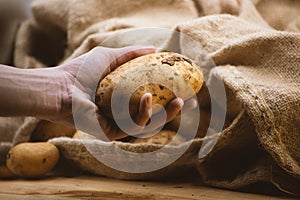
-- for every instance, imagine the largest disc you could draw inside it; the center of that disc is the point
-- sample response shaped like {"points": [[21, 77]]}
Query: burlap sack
{"points": [[78, 151], [258, 65], [265, 80], [279, 14]]}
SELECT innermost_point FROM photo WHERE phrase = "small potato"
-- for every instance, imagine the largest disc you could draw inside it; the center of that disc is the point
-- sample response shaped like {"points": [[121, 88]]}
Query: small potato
{"points": [[164, 75], [47, 130], [5, 173], [163, 137], [32, 159]]}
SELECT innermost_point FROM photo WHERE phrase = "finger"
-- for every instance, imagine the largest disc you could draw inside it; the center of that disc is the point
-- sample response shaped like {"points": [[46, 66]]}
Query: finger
{"points": [[88, 118], [126, 54], [160, 119], [138, 124], [113, 131], [189, 105], [173, 109], [101, 60], [145, 110], [109, 128], [85, 118]]}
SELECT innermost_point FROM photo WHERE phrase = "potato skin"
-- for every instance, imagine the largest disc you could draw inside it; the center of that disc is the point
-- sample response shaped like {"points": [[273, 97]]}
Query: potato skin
{"points": [[82, 135], [5, 173], [163, 137], [164, 75], [47, 130], [32, 160]]}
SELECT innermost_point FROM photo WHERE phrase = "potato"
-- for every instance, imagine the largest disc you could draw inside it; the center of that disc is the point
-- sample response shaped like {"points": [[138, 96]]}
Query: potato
{"points": [[163, 137], [164, 75], [32, 159], [82, 135], [47, 130], [5, 173]]}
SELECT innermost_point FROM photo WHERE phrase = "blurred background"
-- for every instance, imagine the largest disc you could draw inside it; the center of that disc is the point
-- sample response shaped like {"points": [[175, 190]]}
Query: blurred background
{"points": [[12, 13]]}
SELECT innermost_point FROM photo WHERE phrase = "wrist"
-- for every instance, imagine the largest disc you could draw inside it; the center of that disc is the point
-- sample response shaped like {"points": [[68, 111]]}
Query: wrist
{"points": [[46, 93], [30, 92], [54, 94]]}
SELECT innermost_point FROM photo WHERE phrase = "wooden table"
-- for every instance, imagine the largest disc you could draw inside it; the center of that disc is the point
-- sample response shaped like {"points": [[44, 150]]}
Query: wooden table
{"points": [[92, 187]]}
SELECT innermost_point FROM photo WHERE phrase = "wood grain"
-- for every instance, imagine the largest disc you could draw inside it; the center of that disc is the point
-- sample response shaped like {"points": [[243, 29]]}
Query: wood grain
{"points": [[90, 187]]}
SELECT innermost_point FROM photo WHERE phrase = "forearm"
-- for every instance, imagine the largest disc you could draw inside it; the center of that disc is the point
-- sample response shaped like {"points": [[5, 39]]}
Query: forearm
{"points": [[29, 92]]}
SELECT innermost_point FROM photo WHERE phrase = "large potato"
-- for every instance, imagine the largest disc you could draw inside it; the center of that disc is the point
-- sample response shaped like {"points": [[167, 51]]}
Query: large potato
{"points": [[164, 75], [32, 159]]}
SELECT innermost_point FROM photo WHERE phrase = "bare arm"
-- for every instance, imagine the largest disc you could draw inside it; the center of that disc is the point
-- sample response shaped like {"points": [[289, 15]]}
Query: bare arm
{"points": [[29, 92], [52, 95]]}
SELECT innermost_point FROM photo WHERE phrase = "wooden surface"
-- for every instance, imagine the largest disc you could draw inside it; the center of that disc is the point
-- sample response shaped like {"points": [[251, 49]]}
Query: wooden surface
{"points": [[90, 187]]}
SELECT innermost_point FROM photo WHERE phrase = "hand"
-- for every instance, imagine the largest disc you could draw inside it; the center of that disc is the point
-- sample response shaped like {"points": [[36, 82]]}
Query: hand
{"points": [[81, 77]]}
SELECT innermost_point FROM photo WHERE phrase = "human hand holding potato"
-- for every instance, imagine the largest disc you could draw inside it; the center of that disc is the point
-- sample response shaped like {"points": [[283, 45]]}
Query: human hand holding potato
{"points": [[162, 77], [82, 76], [66, 94]]}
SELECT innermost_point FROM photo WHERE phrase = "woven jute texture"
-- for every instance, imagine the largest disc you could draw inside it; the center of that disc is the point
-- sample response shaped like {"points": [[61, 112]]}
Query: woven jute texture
{"points": [[255, 54]]}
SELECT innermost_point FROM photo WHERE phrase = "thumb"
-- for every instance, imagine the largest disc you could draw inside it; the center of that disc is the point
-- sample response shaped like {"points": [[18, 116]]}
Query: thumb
{"points": [[123, 55]]}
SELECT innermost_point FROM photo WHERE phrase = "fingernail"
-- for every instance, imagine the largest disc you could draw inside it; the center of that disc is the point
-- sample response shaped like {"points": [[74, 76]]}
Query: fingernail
{"points": [[181, 102], [148, 99], [150, 112]]}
